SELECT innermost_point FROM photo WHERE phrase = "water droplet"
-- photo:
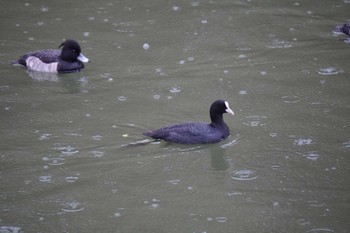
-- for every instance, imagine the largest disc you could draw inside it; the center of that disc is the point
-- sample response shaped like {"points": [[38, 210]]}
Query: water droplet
{"points": [[146, 46]]}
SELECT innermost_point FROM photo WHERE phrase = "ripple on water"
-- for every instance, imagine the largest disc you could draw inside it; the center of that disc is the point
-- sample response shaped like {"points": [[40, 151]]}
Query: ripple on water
{"points": [[303, 141], [97, 137], [243, 175], [312, 155], [291, 99], [66, 150], [10, 229], [54, 161], [316, 230], [45, 179], [175, 89], [346, 145], [330, 71], [256, 121], [97, 154], [72, 206], [233, 142], [71, 179], [280, 44]]}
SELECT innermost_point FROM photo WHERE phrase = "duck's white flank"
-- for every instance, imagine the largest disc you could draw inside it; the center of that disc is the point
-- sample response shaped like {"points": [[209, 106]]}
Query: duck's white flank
{"points": [[35, 64]]}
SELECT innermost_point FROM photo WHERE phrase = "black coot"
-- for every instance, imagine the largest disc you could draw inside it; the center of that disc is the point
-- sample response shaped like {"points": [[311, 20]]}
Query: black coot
{"points": [[197, 132]]}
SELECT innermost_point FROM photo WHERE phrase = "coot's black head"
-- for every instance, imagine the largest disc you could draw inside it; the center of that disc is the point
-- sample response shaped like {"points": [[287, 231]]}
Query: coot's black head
{"points": [[218, 108], [346, 29], [71, 52]]}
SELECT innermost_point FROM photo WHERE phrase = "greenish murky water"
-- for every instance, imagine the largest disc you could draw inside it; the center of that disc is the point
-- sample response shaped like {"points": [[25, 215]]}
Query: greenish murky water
{"points": [[69, 162]]}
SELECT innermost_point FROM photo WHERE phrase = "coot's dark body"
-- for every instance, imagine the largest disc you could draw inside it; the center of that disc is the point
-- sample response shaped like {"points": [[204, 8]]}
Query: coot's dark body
{"points": [[197, 132]]}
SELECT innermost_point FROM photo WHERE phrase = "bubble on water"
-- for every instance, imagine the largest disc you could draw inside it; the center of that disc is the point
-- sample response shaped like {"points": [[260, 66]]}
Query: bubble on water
{"points": [[303, 141], [244, 175], [330, 71], [263, 73], [146, 46], [45, 179], [91, 18], [241, 56], [86, 34], [255, 121], [181, 62], [273, 134], [40, 23], [204, 21], [73, 206]]}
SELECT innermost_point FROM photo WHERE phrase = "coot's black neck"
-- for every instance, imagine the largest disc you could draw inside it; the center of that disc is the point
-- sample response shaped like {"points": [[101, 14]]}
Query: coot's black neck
{"points": [[217, 119]]}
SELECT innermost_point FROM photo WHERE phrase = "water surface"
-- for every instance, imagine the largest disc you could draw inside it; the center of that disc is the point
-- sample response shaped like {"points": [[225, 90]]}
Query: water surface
{"points": [[69, 162]]}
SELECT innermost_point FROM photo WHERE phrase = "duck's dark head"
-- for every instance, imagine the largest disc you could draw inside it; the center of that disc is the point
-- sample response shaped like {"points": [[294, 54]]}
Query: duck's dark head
{"points": [[71, 52]]}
